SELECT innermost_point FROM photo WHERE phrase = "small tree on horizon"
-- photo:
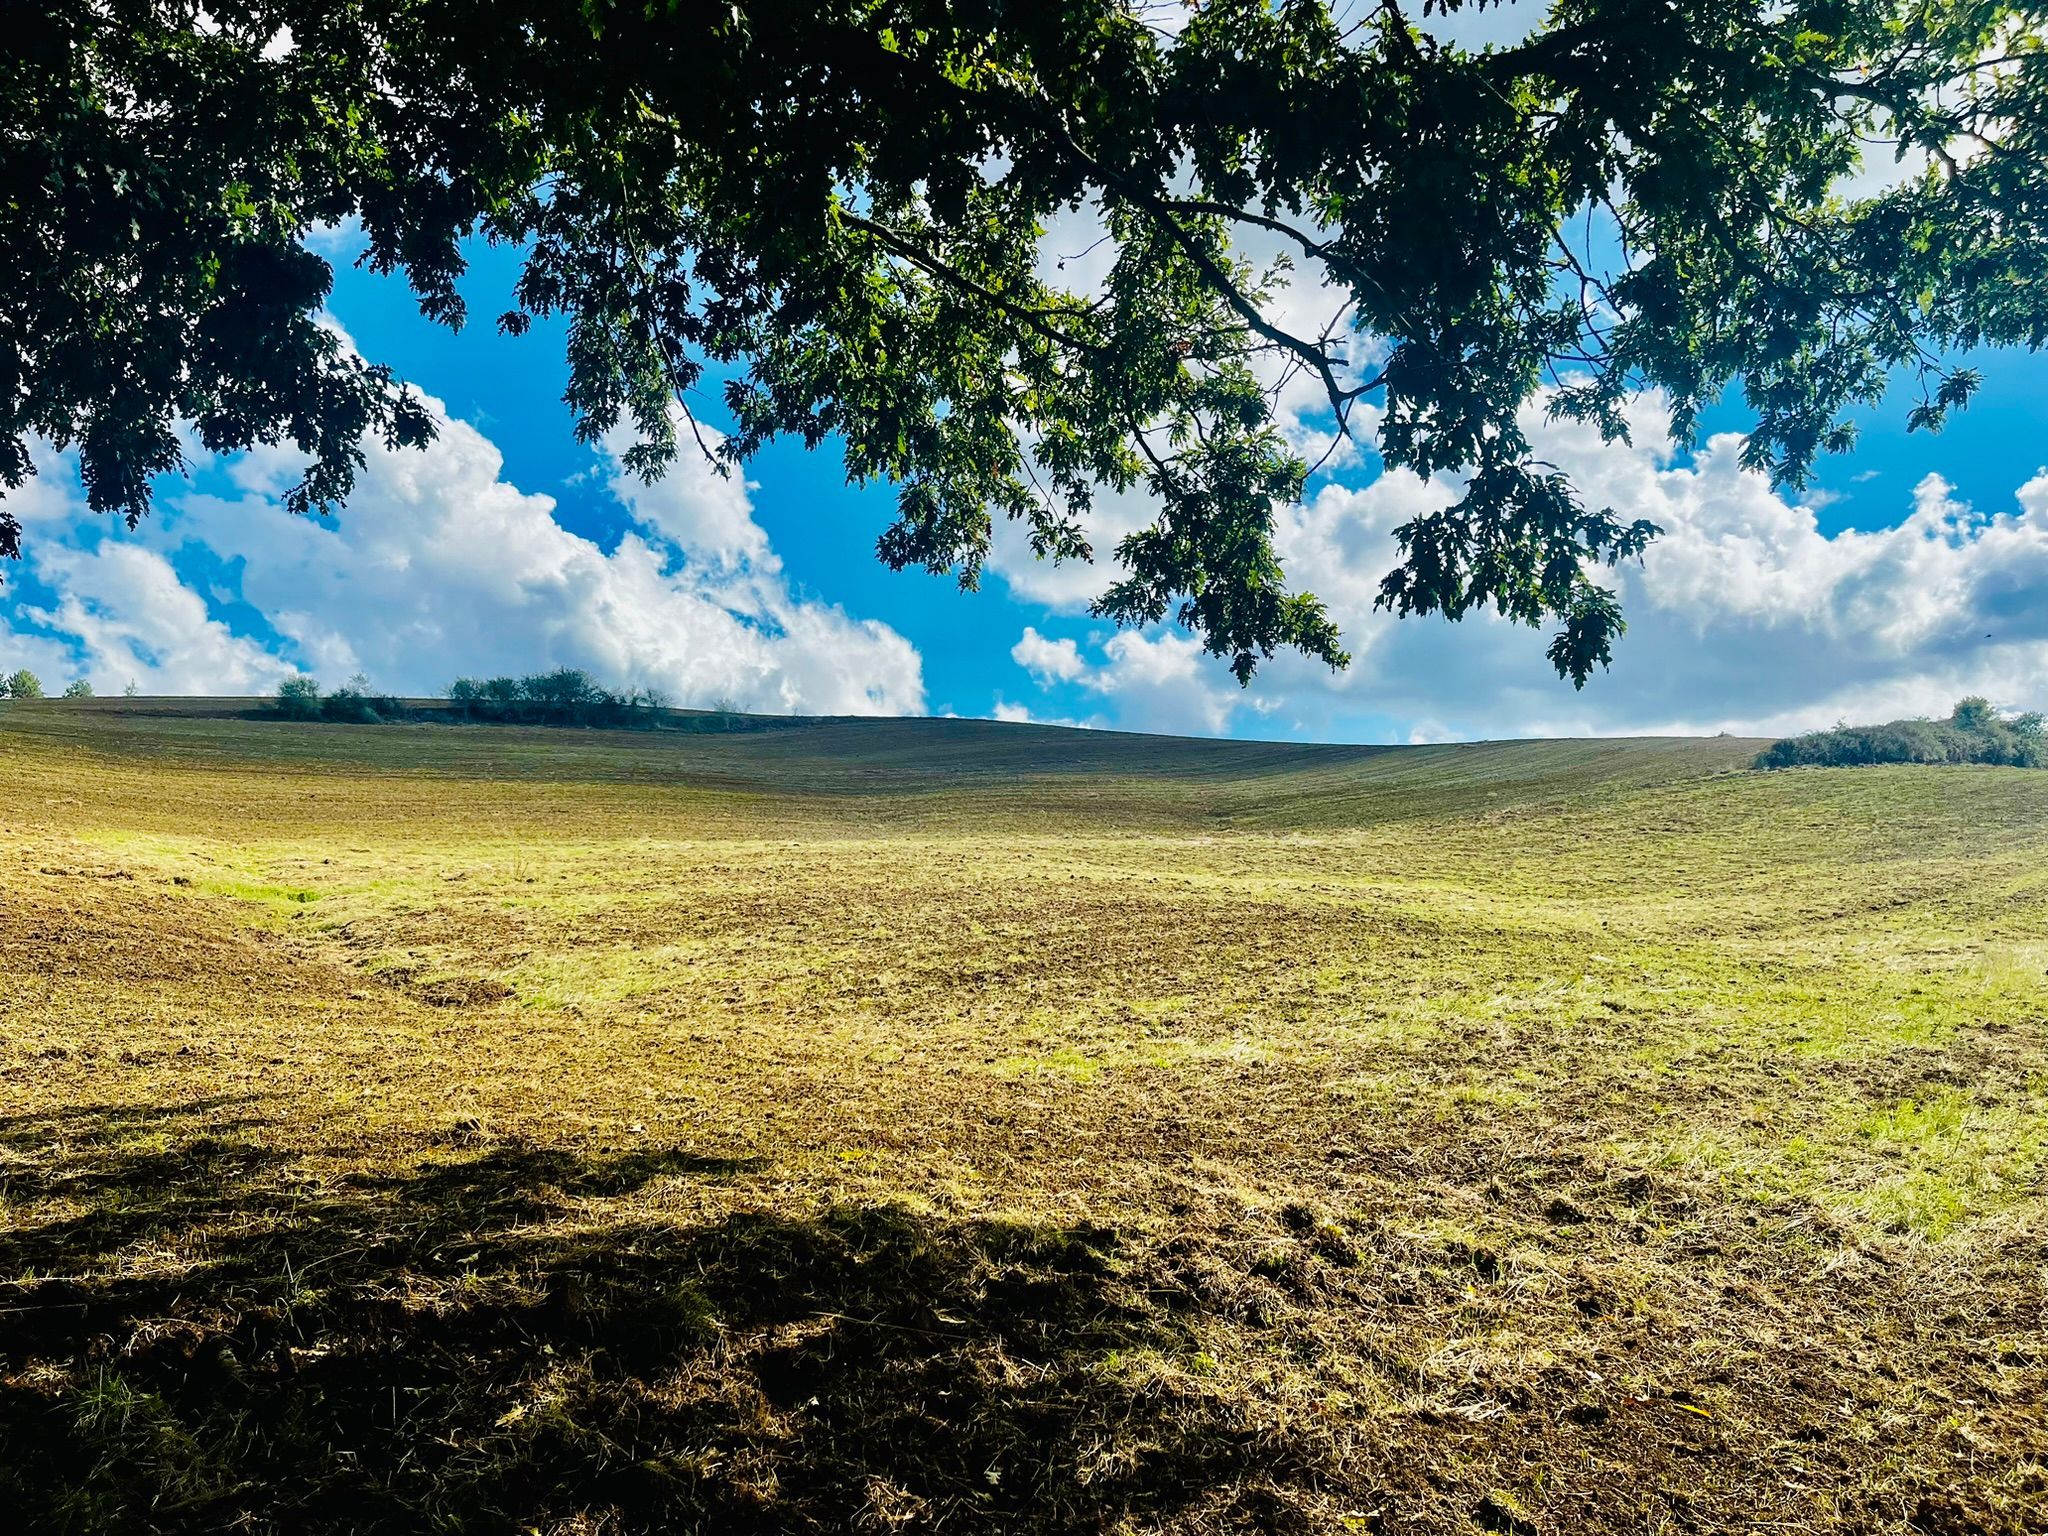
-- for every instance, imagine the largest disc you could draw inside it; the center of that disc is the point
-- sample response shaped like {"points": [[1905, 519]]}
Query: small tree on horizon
{"points": [[568, 696], [463, 695], [79, 688], [23, 684], [1975, 713], [298, 698]]}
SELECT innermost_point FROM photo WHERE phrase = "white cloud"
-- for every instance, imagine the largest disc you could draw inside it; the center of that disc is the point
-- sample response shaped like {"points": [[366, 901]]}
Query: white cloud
{"points": [[1011, 713], [54, 662], [1163, 682], [440, 567], [1021, 714], [708, 515], [126, 613], [1744, 616], [1049, 661], [1156, 681]]}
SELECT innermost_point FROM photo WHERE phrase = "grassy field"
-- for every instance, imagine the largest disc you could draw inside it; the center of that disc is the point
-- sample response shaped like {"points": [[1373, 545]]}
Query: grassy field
{"points": [[941, 1125]]}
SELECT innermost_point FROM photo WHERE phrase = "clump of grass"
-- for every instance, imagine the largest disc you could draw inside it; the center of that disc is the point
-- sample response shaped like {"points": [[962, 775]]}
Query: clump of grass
{"points": [[1952, 1159]]}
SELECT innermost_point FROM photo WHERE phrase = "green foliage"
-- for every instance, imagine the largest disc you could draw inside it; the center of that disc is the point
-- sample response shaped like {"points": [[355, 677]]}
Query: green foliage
{"points": [[563, 691], [463, 694], [355, 704], [298, 698], [565, 696], [843, 209], [23, 684], [1974, 732], [1975, 713], [78, 689]]}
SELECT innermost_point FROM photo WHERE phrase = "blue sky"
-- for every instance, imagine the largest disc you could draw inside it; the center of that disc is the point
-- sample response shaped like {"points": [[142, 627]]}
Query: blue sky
{"points": [[1914, 570]]}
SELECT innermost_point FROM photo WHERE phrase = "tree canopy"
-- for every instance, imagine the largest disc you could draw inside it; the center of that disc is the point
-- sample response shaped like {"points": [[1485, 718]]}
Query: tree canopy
{"points": [[836, 211]]}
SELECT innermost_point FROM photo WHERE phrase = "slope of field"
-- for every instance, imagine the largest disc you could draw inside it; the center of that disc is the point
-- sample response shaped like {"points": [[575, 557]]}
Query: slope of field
{"points": [[943, 1125]]}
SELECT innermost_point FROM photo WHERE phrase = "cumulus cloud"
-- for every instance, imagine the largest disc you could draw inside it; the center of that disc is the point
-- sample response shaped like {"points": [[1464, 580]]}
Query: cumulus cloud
{"points": [[706, 514], [129, 617], [1744, 616], [440, 567], [1162, 682], [1148, 682], [1069, 586], [1022, 714], [1049, 661]]}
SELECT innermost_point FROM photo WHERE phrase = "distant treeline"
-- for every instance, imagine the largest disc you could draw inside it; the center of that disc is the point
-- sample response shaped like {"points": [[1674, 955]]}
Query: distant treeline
{"points": [[353, 703], [567, 696], [1974, 732], [24, 684]]}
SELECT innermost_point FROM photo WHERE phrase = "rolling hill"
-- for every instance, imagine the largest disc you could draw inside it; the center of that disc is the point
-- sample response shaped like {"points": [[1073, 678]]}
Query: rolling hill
{"points": [[947, 1125]]}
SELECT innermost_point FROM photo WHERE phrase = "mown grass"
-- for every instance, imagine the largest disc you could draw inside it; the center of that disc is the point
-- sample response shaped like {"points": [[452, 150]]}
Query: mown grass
{"points": [[940, 1125]]}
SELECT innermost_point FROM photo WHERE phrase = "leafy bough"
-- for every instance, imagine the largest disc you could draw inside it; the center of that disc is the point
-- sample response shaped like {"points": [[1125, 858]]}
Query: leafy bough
{"points": [[838, 212]]}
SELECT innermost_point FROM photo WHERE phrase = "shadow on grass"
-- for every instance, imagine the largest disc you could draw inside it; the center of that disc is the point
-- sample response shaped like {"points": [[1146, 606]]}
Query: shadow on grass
{"points": [[195, 1336]]}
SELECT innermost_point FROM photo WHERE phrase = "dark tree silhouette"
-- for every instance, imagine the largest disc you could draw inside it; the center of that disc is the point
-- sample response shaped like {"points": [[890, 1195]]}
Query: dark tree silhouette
{"points": [[838, 209]]}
